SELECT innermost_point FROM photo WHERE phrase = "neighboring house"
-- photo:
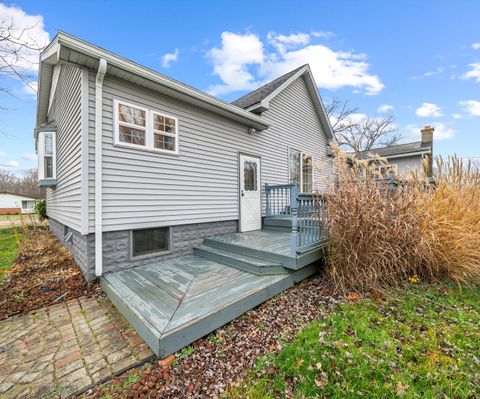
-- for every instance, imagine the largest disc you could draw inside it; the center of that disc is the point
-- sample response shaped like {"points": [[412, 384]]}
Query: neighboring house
{"points": [[405, 159], [14, 204], [140, 167]]}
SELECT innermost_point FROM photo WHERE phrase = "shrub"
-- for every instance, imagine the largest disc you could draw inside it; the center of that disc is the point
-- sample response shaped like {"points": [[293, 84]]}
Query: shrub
{"points": [[381, 236], [41, 209]]}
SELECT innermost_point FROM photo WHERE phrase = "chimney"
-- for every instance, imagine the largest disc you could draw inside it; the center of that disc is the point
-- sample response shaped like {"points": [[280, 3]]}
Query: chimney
{"points": [[427, 134]]}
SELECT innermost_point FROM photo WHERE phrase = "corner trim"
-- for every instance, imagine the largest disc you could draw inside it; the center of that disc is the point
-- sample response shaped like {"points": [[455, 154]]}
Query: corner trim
{"points": [[84, 210]]}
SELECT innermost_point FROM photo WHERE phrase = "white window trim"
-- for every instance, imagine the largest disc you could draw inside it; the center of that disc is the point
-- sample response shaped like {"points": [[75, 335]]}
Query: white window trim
{"points": [[117, 124], [149, 129], [41, 155], [174, 135], [302, 153]]}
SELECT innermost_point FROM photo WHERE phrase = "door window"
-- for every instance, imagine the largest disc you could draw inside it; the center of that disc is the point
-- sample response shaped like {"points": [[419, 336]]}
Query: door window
{"points": [[250, 176]]}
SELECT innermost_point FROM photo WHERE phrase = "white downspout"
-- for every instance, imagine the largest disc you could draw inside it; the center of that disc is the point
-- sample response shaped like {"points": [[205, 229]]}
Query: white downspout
{"points": [[102, 69]]}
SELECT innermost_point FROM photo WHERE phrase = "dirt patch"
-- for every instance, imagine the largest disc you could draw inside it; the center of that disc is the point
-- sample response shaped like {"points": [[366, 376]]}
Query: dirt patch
{"points": [[213, 364], [43, 273]]}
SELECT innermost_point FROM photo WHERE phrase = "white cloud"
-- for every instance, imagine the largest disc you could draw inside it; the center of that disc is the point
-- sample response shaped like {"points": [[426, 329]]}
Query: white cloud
{"points": [[169, 58], [476, 46], [473, 73], [428, 110], [385, 108], [10, 165], [3, 154], [442, 132], [30, 31], [29, 156], [234, 60], [471, 106], [457, 116]]}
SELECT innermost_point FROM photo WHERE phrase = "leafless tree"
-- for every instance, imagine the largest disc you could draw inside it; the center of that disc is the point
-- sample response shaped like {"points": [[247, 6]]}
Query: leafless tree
{"points": [[26, 185], [357, 132], [18, 53]]}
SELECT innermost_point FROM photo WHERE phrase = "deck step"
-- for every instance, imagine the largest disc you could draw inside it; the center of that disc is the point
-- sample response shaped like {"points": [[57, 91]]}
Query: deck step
{"points": [[246, 263]]}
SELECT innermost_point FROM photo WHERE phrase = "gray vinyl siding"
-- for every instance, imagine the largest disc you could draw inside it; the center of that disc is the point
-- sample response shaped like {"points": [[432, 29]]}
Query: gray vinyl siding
{"points": [[143, 189], [406, 165], [64, 201]]}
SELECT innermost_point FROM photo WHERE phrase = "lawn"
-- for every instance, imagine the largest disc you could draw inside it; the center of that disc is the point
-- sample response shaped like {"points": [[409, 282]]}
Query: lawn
{"points": [[8, 247], [420, 342]]}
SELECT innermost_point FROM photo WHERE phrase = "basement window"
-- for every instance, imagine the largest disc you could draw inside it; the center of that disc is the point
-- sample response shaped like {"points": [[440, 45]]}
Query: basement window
{"points": [[147, 242]]}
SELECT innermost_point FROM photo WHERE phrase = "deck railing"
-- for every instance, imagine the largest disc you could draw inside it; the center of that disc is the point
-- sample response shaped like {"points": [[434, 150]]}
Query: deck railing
{"points": [[307, 212]]}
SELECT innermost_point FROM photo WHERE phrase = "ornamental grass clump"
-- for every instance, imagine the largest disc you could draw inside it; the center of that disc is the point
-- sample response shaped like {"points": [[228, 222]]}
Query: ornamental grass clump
{"points": [[384, 231], [453, 228], [376, 230]]}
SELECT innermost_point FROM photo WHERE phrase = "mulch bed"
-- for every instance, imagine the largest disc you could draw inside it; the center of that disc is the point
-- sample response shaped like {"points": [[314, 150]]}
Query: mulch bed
{"points": [[43, 273], [213, 364]]}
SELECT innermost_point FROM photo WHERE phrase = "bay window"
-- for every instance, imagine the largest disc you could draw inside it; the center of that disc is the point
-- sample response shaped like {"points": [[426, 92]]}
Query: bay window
{"points": [[300, 166], [139, 127], [46, 149]]}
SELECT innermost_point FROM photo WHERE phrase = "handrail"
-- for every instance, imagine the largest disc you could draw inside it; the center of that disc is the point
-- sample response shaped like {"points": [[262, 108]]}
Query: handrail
{"points": [[307, 212]]}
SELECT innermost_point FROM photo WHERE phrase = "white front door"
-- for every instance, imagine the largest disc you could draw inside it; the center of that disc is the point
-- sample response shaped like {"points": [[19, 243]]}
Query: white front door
{"points": [[250, 189]]}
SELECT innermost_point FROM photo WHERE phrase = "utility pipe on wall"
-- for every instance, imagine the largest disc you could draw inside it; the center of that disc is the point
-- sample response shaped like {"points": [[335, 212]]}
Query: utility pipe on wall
{"points": [[102, 69]]}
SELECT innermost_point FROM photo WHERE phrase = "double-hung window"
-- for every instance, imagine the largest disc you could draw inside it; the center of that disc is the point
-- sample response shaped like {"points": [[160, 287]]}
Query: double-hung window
{"points": [[300, 167], [46, 155], [142, 128]]}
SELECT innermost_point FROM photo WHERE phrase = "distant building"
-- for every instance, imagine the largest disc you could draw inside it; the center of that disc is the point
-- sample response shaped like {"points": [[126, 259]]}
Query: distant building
{"points": [[14, 204], [405, 158]]}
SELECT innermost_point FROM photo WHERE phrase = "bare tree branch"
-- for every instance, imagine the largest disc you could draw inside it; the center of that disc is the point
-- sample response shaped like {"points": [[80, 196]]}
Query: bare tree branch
{"points": [[358, 132], [26, 185]]}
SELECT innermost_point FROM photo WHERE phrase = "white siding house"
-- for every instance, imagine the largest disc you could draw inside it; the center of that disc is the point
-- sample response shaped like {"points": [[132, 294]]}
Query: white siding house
{"points": [[136, 150], [11, 204]]}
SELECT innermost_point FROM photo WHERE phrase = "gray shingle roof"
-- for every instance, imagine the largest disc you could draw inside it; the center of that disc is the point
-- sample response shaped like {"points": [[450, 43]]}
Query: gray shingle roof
{"points": [[399, 149], [264, 91]]}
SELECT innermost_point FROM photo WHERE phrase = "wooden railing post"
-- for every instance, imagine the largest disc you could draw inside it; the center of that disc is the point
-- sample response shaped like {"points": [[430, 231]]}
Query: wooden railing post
{"points": [[268, 209], [294, 211]]}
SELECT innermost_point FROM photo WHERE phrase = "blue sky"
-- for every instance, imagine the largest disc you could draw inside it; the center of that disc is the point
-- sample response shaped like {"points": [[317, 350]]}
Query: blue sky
{"points": [[420, 60]]}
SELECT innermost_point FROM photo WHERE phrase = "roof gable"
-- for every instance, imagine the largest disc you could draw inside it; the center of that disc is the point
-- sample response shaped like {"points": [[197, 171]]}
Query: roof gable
{"points": [[258, 100]]}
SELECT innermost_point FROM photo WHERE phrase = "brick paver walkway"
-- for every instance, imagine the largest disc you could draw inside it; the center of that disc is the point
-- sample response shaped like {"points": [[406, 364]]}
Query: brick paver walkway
{"points": [[64, 349]]}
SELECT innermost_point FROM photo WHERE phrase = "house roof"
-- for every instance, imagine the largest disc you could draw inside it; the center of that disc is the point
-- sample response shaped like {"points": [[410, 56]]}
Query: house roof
{"points": [[19, 195], [67, 48], [259, 99], [264, 91], [397, 150]]}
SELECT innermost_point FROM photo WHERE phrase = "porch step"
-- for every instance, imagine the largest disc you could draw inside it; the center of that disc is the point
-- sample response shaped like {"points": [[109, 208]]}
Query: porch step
{"points": [[243, 262]]}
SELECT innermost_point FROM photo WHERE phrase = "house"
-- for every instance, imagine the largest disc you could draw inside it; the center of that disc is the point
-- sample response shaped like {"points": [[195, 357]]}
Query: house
{"points": [[14, 204], [186, 207], [405, 159]]}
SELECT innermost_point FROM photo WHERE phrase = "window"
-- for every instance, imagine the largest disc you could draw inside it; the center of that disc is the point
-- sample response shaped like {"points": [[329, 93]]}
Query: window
{"points": [[150, 241], [46, 155], [132, 124], [250, 176], [164, 132], [140, 127], [28, 204], [300, 166]]}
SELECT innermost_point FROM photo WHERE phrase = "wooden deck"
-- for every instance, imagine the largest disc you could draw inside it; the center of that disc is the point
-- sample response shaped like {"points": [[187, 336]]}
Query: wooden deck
{"points": [[175, 302]]}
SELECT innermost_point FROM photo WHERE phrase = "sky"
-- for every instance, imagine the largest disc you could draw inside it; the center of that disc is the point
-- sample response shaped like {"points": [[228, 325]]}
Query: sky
{"points": [[418, 60]]}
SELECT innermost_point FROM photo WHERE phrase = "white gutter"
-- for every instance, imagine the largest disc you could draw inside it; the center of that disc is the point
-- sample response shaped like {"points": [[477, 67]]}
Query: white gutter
{"points": [[102, 69]]}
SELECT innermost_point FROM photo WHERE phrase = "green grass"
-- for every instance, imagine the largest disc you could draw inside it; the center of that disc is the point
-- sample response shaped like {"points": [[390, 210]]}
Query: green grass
{"points": [[423, 342], [8, 248], [10, 217]]}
